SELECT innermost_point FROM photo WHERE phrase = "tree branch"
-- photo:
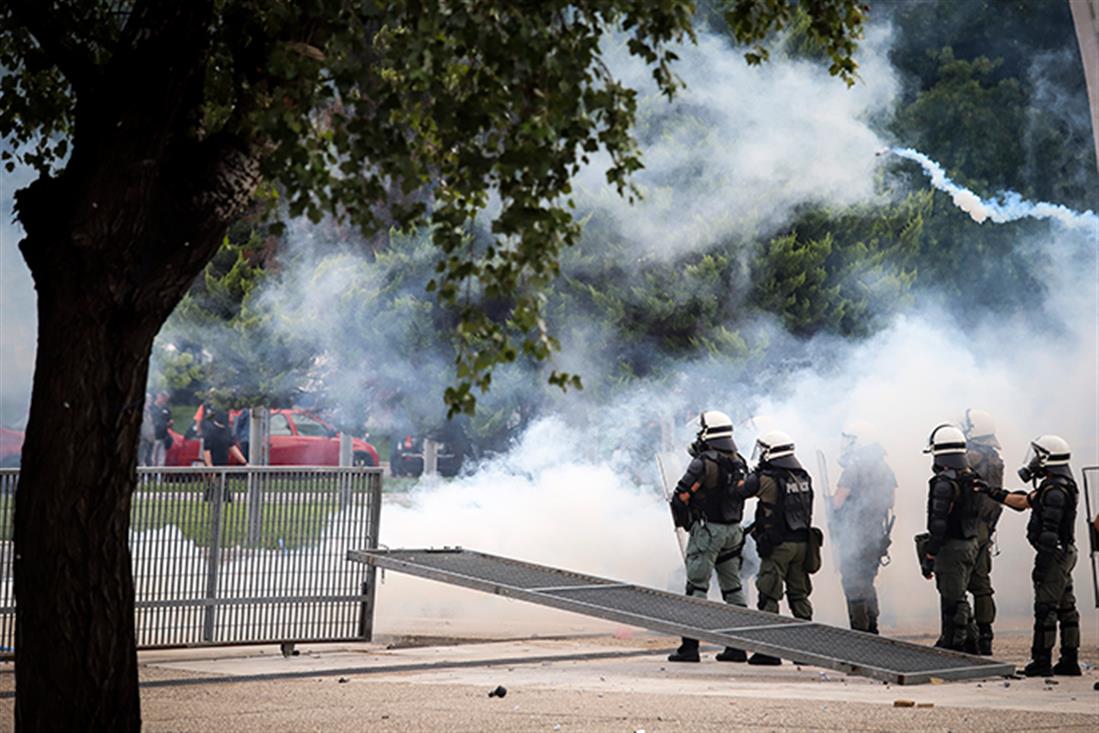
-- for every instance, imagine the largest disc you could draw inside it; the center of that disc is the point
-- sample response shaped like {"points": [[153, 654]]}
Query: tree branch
{"points": [[54, 28]]}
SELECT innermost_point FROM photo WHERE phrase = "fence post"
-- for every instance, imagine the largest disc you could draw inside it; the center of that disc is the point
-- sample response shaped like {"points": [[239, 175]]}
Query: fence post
{"points": [[255, 507], [366, 610], [209, 619]]}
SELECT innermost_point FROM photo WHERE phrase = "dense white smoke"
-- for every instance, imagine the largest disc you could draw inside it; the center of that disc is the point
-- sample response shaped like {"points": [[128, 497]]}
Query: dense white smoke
{"points": [[1009, 206], [742, 147]]}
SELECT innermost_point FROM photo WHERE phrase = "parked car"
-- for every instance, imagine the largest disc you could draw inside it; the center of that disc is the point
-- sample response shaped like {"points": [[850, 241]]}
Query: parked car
{"points": [[298, 438], [407, 457], [11, 447]]}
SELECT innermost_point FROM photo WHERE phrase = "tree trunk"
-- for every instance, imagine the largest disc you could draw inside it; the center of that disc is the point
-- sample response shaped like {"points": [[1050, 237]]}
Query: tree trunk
{"points": [[75, 643], [112, 247]]}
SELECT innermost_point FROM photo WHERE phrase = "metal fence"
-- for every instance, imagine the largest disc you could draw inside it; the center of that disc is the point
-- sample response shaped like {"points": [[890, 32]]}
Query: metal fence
{"points": [[238, 555]]}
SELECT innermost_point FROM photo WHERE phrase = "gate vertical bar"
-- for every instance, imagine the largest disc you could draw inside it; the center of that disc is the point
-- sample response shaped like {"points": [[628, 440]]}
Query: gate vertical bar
{"points": [[374, 513], [213, 562]]}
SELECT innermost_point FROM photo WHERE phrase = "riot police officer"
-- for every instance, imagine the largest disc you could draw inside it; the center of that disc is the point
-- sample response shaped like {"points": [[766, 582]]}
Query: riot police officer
{"points": [[950, 547], [1050, 532], [782, 529], [861, 517], [707, 504], [983, 455]]}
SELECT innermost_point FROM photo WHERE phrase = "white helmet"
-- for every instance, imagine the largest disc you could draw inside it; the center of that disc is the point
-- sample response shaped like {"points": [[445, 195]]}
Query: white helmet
{"points": [[716, 430], [1049, 450], [947, 444], [979, 427], [858, 433], [772, 445]]}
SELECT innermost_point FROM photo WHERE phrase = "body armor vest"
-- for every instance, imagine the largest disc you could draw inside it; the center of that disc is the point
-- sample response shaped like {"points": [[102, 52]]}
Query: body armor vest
{"points": [[962, 519], [1065, 531], [793, 513], [986, 463], [717, 498]]}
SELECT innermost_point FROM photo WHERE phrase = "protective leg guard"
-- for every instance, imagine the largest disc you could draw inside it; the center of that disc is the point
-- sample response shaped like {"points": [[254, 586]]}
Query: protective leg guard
{"points": [[764, 659], [687, 652], [1068, 665], [731, 655], [984, 639], [858, 614]]}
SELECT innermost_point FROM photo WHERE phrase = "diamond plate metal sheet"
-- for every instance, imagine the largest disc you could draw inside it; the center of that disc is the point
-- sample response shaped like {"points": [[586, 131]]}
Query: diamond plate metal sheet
{"points": [[812, 643], [656, 605]]}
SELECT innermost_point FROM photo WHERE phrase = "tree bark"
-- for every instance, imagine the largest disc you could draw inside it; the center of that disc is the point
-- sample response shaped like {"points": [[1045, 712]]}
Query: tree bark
{"points": [[113, 243]]}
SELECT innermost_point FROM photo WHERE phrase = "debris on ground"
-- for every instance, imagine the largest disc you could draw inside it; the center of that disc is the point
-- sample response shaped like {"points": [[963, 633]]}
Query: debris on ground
{"points": [[1051, 682], [925, 704], [343, 680], [500, 691], [936, 680], [904, 703]]}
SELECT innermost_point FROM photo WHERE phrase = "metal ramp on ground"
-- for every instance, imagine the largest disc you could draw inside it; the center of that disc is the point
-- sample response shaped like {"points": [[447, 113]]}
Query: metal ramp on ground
{"points": [[807, 642]]}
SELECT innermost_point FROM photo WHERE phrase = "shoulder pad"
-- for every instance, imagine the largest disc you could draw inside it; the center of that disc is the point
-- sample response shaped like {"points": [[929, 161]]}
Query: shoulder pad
{"points": [[1054, 496]]}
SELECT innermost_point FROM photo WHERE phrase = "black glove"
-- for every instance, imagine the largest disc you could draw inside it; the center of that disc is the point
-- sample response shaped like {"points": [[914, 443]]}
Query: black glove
{"points": [[927, 566]]}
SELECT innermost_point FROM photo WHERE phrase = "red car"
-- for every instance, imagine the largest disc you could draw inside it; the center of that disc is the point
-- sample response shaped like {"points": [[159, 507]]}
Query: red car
{"points": [[298, 438], [11, 447]]}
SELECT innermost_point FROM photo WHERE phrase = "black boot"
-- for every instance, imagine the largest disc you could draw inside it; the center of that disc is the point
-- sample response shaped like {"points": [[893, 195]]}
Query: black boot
{"points": [[1039, 664], [764, 659], [687, 652], [1067, 665], [731, 655], [984, 640]]}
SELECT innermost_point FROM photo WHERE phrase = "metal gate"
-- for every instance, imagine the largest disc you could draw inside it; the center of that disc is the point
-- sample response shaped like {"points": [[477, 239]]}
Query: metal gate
{"points": [[238, 555], [849, 651]]}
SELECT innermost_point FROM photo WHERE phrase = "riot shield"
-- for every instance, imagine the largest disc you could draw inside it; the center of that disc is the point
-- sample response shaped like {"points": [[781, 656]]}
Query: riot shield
{"points": [[1091, 507]]}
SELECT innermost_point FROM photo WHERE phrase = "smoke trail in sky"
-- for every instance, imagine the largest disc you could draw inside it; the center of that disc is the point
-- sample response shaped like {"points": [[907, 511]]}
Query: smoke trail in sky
{"points": [[1009, 206]]}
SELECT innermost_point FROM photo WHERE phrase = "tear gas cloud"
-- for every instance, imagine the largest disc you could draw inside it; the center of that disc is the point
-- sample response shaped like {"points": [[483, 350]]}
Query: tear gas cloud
{"points": [[583, 493], [740, 148]]}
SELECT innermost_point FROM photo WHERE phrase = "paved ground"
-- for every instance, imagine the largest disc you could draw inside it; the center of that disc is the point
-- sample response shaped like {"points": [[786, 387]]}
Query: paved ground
{"points": [[600, 683]]}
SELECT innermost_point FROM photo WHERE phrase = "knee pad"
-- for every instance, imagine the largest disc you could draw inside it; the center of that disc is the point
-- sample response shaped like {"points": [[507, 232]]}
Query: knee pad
{"points": [[1042, 610], [691, 588]]}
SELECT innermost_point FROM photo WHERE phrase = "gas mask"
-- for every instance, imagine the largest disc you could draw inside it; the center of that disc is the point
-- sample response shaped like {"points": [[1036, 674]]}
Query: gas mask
{"points": [[1032, 468]]}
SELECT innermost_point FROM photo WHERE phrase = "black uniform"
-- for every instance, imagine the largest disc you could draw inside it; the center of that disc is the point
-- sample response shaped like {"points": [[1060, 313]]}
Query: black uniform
{"points": [[1050, 532], [952, 546]]}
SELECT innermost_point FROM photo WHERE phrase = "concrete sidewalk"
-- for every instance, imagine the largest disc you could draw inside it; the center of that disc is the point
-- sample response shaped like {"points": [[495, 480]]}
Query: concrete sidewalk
{"points": [[600, 683]]}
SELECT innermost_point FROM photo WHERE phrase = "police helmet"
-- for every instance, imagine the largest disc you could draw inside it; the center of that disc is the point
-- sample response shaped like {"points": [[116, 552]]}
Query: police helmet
{"points": [[1046, 451], [858, 433], [716, 430], [979, 427], [947, 445], [772, 446]]}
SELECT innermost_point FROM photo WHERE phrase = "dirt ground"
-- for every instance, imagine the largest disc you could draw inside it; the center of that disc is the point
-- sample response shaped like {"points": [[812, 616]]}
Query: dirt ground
{"points": [[618, 682]]}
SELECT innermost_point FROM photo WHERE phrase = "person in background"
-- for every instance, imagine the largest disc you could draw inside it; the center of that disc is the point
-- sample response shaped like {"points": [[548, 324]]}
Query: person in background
{"points": [[862, 506], [147, 442], [242, 431], [162, 421], [218, 448], [983, 455]]}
